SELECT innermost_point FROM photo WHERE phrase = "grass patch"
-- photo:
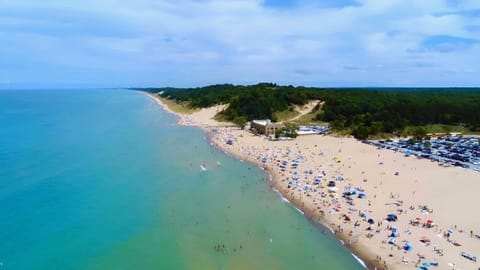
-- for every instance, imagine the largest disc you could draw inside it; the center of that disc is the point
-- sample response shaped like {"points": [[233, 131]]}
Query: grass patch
{"points": [[221, 118], [438, 128], [310, 119], [181, 108], [286, 115]]}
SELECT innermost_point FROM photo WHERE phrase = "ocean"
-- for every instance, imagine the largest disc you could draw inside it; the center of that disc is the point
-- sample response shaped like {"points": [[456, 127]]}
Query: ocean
{"points": [[104, 179]]}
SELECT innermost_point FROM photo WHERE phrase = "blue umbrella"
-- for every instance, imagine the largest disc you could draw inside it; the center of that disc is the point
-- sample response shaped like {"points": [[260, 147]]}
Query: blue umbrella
{"points": [[426, 264]]}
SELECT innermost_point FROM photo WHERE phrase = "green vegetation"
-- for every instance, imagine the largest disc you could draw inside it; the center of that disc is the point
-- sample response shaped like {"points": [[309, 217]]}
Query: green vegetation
{"points": [[240, 121], [437, 128], [360, 112], [178, 107], [288, 130], [286, 115]]}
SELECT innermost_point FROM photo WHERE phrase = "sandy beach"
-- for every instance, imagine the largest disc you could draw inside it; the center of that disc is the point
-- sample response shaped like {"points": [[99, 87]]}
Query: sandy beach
{"points": [[435, 205]]}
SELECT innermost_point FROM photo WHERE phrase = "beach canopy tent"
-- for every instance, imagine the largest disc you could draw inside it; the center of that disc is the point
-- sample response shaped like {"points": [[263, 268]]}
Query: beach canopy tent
{"points": [[332, 189], [350, 191], [430, 223], [469, 256], [408, 247], [371, 221], [392, 217]]}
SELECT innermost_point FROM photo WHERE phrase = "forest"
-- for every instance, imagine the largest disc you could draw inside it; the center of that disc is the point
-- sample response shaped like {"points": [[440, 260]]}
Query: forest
{"points": [[362, 112]]}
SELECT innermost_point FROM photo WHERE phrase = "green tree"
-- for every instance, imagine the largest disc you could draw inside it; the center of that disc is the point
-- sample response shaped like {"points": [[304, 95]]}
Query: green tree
{"points": [[361, 132], [419, 133], [426, 144], [240, 121]]}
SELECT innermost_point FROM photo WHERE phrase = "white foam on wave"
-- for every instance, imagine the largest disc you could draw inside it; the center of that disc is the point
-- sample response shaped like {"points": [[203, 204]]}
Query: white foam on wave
{"points": [[301, 212], [281, 196], [328, 227], [360, 261]]}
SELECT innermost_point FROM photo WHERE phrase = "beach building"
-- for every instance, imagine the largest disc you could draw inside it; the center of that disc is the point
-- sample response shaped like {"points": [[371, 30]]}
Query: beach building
{"points": [[312, 130], [265, 126]]}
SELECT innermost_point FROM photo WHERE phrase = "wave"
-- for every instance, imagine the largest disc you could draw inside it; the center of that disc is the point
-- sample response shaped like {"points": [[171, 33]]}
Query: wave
{"points": [[301, 212], [360, 261]]}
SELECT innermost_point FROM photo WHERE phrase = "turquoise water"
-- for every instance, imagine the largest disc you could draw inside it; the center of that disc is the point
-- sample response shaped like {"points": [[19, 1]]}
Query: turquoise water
{"points": [[103, 179]]}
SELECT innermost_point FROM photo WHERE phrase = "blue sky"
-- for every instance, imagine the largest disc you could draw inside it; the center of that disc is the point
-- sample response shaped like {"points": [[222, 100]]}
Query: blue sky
{"points": [[120, 43]]}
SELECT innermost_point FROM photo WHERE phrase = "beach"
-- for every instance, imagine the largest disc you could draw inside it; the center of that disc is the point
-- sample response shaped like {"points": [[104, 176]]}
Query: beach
{"points": [[352, 187]]}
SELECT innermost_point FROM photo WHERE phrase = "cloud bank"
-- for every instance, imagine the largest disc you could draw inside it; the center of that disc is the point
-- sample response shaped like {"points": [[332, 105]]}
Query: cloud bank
{"points": [[198, 42]]}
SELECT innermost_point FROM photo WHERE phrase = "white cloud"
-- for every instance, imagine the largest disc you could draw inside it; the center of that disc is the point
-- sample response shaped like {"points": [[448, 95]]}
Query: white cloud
{"points": [[240, 40]]}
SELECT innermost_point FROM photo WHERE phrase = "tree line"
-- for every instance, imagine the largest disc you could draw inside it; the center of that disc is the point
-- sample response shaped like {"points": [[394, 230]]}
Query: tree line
{"points": [[361, 112]]}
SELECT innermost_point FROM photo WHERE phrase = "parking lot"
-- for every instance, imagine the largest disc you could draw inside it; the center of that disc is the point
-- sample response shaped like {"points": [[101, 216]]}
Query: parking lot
{"points": [[462, 151]]}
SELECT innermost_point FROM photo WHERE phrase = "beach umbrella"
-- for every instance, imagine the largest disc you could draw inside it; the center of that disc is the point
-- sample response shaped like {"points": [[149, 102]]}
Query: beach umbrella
{"points": [[426, 264], [418, 219], [362, 195], [371, 221], [408, 247]]}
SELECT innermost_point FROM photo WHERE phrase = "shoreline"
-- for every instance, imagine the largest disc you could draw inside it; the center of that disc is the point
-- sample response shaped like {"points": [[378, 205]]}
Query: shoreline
{"points": [[318, 221], [326, 212]]}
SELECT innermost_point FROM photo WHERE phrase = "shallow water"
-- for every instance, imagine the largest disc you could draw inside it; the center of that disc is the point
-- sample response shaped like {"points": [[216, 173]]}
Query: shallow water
{"points": [[104, 179]]}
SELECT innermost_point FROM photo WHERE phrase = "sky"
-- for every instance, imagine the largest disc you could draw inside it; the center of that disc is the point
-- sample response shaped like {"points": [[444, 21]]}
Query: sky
{"points": [[186, 43]]}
